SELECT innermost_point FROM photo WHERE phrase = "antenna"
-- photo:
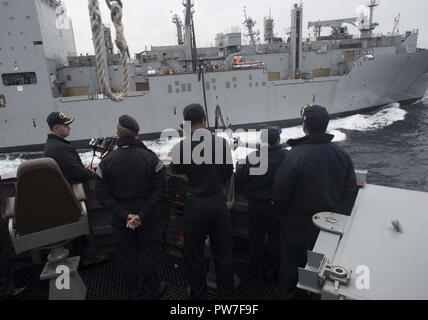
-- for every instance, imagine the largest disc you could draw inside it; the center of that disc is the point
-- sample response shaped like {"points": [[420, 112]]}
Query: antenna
{"points": [[269, 28], [250, 23], [396, 27]]}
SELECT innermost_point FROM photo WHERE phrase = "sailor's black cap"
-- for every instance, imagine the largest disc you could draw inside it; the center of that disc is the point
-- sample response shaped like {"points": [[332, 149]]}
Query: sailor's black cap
{"points": [[193, 110], [58, 118], [316, 118], [129, 123], [274, 133]]}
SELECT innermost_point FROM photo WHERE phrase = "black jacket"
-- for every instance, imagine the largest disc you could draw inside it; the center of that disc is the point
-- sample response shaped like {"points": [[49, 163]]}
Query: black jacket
{"points": [[316, 176], [130, 180], [210, 177], [68, 159], [260, 187]]}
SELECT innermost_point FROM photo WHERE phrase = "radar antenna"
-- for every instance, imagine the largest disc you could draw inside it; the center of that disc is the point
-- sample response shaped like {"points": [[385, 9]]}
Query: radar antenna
{"points": [[249, 23]]}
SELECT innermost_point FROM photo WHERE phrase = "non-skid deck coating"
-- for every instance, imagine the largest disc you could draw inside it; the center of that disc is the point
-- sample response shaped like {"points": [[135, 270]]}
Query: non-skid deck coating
{"points": [[104, 282]]}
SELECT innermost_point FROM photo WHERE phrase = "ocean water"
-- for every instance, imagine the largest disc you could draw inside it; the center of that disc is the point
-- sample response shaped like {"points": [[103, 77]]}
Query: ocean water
{"points": [[392, 143], [394, 151]]}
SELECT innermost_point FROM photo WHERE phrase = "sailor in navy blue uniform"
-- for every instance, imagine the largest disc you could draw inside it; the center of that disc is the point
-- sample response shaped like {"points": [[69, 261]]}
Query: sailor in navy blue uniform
{"points": [[263, 218], [317, 176], [130, 183], [206, 212], [67, 158], [61, 150]]}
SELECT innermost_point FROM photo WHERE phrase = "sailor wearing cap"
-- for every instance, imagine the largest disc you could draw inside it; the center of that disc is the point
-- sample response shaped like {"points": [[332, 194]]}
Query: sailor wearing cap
{"points": [[317, 176], [263, 218], [74, 172], [62, 151], [206, 213], [130, 183]]}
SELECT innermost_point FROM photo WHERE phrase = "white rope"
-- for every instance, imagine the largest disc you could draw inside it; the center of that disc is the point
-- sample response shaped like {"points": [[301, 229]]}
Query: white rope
{"points": [[115, 7]]}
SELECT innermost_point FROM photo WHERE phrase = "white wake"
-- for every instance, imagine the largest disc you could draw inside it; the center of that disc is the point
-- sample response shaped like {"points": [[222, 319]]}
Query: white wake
{"points": [[381, 119]]}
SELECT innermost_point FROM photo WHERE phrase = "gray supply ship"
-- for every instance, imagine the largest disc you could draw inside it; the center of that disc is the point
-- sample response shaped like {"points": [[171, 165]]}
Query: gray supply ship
{"points": [[254, 84]]}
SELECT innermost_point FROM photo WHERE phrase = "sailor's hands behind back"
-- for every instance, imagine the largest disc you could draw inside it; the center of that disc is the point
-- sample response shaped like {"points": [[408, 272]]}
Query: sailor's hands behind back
{"points": [[133, 221], [91, 168]]}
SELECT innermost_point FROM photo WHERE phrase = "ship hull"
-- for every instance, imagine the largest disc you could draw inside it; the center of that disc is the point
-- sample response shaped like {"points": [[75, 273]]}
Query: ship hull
{"points": [[247, 100]]}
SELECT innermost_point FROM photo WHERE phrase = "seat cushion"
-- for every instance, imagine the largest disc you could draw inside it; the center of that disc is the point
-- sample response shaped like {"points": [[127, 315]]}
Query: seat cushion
{"points": [[44, 199]]}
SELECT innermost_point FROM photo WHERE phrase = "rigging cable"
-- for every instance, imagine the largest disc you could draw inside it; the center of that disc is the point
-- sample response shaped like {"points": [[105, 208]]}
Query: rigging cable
{"points": [[115, 7]]}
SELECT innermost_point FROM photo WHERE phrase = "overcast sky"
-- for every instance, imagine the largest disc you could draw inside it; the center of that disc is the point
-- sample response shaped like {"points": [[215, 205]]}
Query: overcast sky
{"points": [[149, 23]]}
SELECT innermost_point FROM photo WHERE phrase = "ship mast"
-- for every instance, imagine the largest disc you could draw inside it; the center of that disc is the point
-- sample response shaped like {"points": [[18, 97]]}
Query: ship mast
{"points": [[249, 23], [372, 5], [367, 32], [269, 28], [189, 36], [296, 36]]}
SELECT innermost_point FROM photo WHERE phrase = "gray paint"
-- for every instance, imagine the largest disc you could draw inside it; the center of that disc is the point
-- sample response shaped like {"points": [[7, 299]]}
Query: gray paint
{"points": [[397, 73], [396, 261]]}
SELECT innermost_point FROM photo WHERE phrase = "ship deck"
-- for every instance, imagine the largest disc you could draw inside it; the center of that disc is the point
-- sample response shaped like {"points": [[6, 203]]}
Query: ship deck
{"points": [[104, 282]]}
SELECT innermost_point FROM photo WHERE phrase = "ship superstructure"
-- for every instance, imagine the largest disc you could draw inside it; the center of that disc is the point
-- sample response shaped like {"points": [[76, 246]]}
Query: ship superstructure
{"points": [[255, 84]]}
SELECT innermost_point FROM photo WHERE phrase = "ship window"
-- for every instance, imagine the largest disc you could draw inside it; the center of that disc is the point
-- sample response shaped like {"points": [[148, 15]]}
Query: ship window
{"points": [[257, 84], [27, 17], [170, 88], [213, 80], [235, 86], [183, 87], [251, 77], [177, 90], [207, 85], [189, 87], [214, 87], [5, 3], [177, 83], [9, 33], [234, 79], [68, 77], [11, 18], [19, 79], [264, 84], [227, 84], [12, 48], [251, 84]]}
